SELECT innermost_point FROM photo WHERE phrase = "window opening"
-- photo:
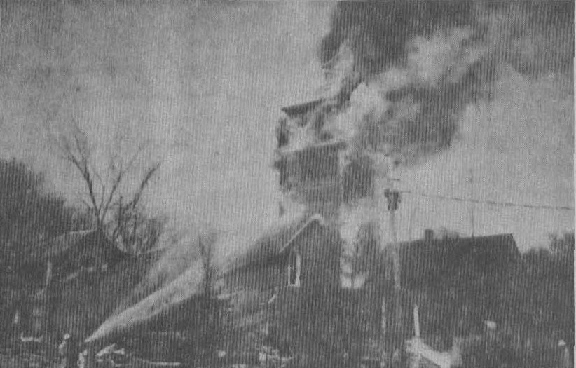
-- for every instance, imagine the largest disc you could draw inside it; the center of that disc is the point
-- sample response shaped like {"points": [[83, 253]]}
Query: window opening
{"points": [[294, 269]]}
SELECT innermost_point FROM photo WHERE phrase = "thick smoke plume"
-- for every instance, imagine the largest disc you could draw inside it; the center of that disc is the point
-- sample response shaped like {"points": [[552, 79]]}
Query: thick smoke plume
{"points": [[401, 74], [404, 71]]}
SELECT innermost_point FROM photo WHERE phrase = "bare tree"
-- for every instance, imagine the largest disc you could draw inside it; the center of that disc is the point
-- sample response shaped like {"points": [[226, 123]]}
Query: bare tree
{"points": [[116, 210]]}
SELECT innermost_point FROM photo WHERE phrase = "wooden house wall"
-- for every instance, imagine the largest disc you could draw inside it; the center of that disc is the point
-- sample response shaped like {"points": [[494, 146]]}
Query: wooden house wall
{"points": [[262, 300]]}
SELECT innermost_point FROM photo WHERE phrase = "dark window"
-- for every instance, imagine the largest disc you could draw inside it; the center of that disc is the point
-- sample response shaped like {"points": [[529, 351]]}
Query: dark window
{"points": [[282, 166], [308, 166], [282, 133], [294, 269], [318, 164]]}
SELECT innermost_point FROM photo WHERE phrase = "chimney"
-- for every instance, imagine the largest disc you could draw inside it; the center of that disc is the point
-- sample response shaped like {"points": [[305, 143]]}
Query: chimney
{"points": [[428, 234]]}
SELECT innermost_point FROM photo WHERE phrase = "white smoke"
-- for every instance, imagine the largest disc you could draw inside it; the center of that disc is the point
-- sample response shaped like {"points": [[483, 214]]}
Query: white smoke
{"points": [[301, 137], [431, 61], [442, 56], [339, 71], [352, 218], [365, 101]]}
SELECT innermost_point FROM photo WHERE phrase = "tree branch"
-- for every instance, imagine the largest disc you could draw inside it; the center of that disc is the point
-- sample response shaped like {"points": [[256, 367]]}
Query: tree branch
{"points": [[143, 184], [122, 219]]}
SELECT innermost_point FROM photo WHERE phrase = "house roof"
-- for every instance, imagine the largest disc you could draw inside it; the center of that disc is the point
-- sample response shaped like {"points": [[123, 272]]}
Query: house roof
{"points": [[301, 108], [72, 241], [427, 260], [274, 242]]}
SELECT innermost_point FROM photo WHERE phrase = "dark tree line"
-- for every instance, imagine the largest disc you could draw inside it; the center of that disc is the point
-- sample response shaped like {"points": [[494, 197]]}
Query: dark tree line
{"points": [[540, 295], [29, 215]]}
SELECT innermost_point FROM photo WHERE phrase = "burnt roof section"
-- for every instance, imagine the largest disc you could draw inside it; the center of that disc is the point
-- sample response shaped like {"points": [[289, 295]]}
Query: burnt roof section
{"points": [[300, 109], [431, 260]]}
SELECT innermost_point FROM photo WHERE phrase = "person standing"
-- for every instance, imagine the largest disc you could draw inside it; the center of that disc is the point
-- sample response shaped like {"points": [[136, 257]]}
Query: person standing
{"points": [[73, 350], [64, 351], [565, 356]]}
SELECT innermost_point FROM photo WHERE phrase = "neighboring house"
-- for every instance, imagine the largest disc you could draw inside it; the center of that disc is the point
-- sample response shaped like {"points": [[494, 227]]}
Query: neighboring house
{"points": [[457, 282], [435, 261], [70, 254], [82, 277]]}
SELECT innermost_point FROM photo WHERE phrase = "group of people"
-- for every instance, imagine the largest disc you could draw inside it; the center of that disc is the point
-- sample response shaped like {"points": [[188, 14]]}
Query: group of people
{"points": [[74, 354]]}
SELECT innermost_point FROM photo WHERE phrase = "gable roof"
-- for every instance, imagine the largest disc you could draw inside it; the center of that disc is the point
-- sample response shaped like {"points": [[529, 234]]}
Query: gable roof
{"points": [[274, 243], [79, 241], [427, 260]]}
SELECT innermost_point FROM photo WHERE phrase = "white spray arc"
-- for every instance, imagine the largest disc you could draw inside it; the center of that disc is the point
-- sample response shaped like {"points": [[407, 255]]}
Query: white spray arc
{"points": [[181, 281]]}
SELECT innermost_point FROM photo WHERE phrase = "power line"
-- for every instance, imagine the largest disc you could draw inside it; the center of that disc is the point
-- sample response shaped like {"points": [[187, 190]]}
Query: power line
{"points": [[489, 202], [457, 199]]}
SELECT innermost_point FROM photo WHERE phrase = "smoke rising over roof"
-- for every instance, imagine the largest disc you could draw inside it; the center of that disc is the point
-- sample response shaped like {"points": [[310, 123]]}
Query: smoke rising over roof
{"points": [[422, 63]]}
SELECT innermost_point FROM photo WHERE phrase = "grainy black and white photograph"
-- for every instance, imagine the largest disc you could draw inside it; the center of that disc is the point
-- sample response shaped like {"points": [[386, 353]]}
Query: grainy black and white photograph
{"points": [[286, 184]]}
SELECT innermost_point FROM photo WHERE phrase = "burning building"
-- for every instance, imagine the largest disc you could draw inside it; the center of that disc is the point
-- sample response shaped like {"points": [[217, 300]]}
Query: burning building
{"points": [[333, 262], [400, 75], [298, 279], [317, 284]]}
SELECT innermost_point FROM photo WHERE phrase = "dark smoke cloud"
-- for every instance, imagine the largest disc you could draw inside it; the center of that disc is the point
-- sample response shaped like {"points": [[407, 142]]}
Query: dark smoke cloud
{"points": [[379, 31], [535, 38]]}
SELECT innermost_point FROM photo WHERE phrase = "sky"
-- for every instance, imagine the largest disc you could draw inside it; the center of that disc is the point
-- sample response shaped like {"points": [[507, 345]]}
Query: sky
{"points": [[202, 83], [532, 167]]}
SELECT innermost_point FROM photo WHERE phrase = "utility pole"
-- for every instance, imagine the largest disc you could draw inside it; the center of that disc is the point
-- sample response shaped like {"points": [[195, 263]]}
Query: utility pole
{"points": [[393, 197], [412, 215], [46, 301], [471, 209]]}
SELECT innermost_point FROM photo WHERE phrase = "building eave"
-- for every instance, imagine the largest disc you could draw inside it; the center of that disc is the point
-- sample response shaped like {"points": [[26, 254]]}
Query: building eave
{"points": [[286, 246], [301, 108], [333, 143]]}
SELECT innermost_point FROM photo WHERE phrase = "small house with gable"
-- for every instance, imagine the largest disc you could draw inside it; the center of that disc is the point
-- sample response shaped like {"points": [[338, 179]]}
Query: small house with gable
{"points": [[81, 278]]}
